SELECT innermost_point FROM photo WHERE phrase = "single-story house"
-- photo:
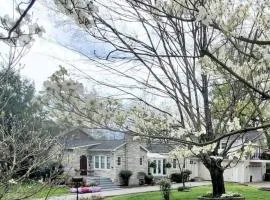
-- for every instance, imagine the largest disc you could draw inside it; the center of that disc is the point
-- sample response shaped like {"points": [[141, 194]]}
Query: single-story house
{"points": [[87, 156]]}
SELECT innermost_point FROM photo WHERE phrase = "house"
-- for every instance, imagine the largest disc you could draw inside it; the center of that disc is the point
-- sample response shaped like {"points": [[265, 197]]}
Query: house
{"points": [[104, 158], [88, 156]]}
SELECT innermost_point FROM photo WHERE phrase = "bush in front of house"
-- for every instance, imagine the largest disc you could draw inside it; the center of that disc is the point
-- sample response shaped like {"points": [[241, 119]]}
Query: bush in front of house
{"points": [[149, 179], [185, 174], [125, 176], [141, 178], [168, 165], [50, 170], [265, 156], [178, 177]]}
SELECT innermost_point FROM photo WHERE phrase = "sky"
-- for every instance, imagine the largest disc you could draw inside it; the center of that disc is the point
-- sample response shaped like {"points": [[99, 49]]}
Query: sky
{"points": [[49, 51]]}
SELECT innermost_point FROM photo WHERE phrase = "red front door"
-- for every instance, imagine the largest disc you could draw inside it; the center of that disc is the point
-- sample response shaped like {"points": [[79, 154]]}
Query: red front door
{"points": [[83, 165]]}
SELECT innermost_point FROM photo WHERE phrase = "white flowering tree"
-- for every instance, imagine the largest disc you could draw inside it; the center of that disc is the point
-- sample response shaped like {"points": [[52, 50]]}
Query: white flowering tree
{"points": [[181, 154], [177, 51]]}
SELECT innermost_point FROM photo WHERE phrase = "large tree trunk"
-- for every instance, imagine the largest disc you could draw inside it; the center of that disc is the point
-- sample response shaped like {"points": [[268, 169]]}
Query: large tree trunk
{"points": [[217, 180]]}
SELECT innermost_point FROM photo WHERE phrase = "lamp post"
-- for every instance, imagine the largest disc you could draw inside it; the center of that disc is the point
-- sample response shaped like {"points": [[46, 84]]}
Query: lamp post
{"points": [[77, 181]]}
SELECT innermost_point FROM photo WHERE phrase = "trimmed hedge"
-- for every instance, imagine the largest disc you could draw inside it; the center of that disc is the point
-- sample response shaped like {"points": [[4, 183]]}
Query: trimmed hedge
{"points": [[125, 176]]}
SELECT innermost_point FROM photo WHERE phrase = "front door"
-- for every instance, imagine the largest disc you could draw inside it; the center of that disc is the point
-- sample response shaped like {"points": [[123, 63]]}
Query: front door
{"points": [[83, 165]]}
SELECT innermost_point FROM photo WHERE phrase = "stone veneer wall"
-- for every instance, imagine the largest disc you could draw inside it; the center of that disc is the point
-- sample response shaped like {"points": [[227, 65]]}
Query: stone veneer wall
{"points": [[130, 160], [117, 168], [71, 160], [134, 153]]}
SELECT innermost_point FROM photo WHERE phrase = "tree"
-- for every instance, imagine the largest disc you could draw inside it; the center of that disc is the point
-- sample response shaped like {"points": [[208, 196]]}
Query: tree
{"points": [[23, 151], [177, 51], [181, 154], [24, 146]]}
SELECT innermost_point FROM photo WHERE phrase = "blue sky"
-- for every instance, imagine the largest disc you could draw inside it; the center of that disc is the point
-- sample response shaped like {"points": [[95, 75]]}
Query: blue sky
{"points": [[49, 52]]}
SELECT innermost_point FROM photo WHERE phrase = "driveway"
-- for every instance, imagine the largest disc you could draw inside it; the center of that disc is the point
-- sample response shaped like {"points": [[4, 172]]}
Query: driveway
{"points": [[126, 191]]}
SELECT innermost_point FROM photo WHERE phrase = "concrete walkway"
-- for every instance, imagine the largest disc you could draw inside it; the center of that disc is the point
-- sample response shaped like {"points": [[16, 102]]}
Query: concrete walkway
{"points": [[260, 184], [126, 191]]}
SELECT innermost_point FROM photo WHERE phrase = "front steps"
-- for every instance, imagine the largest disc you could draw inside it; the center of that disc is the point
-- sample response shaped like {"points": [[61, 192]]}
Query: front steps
{"points": [[105, 183]]}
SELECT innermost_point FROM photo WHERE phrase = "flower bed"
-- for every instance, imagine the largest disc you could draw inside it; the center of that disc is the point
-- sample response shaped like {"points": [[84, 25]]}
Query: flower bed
{"points": [[86, 189], [227, 196]]}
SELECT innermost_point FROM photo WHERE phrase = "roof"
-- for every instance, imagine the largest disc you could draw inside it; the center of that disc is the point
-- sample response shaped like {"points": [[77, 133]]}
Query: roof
{"points": [[78, 143], [80, 138], [159, 148], [106, 144], [248, 136]]}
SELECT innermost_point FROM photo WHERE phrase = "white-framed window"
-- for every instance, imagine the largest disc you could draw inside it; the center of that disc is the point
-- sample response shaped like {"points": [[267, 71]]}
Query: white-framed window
{"points": [[118, 160], [96, 162], [102, 162]]}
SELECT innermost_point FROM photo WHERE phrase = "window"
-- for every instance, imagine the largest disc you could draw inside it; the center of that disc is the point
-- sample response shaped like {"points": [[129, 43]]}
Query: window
{"points": [[108, 162], [96, 161], [141, 161], [118, 160], [174, 163], [102, 162]]}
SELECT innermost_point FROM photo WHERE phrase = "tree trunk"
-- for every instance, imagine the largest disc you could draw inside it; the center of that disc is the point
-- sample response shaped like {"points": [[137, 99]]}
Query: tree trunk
{"points": [[183, 181], [217, 180]]}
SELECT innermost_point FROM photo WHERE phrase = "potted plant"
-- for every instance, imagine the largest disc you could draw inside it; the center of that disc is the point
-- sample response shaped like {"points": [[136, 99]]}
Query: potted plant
{"points": [[168, 165], [153, 165]]}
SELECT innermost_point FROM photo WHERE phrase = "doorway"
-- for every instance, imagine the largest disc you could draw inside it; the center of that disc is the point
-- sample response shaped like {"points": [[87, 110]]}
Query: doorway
{"points": [[83, 165]]}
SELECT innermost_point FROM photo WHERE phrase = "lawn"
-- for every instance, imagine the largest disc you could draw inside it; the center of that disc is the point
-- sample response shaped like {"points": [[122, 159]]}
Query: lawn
{"points": [[34, 189], [251, 193]]}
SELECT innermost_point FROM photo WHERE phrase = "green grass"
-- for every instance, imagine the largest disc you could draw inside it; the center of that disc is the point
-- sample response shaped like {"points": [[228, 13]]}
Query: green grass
{"points": [[33, 189], [250, 193]]}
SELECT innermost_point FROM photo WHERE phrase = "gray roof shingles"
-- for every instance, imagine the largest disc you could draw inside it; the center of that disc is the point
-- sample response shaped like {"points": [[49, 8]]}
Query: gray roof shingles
{"points": [[106, 144]]}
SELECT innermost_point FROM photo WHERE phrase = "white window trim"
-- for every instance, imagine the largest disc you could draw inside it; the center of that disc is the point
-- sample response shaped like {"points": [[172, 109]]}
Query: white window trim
{"points": [[99, 162]]}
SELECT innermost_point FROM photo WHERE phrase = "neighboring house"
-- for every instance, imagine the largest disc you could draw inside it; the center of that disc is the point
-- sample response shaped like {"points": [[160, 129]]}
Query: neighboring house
{"points": [[84, 155]]}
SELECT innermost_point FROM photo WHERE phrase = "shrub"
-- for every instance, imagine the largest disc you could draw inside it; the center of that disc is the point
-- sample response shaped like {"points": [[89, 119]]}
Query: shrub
{"points": [[47, 171], [178, 177], [182, 189], [165, 187], [149, 179], [125, 176], [141, 177], [185, 174], [265, 156]]}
